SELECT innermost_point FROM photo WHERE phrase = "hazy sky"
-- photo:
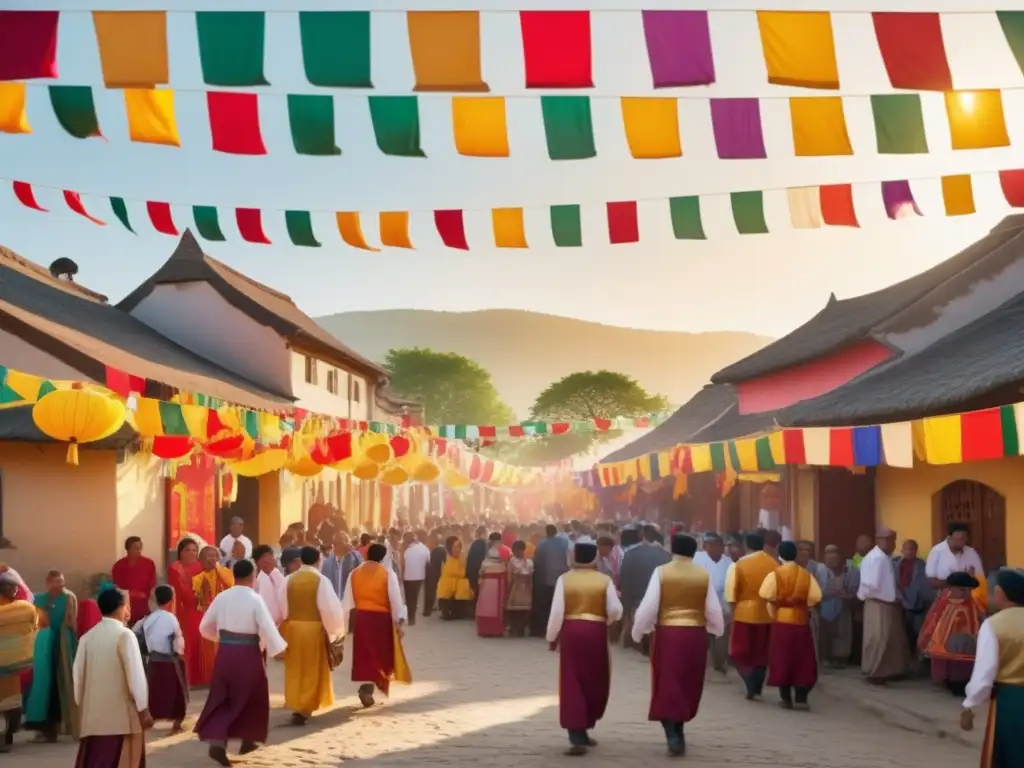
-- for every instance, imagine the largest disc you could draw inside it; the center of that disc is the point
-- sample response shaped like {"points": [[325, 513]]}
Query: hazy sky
{"points": [[767, 283]]}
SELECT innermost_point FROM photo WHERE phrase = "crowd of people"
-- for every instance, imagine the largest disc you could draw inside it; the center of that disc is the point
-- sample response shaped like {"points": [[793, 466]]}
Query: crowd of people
{"points": [[685, 599]]}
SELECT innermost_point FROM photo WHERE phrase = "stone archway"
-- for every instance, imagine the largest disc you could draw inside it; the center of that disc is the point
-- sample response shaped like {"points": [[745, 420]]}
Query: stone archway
{"points": [[982, 509]]}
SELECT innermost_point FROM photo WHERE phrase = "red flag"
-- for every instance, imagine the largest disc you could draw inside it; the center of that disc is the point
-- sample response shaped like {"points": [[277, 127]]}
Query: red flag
{"points": [[559, 427], [840, 447], [981, 435], [602, 425], [1012, 184], [451, 229], [556, 49], [913, 50], [160, 216], [26, 196], [74, 201], [28, 44], [488, 431], [793, 443], [122, 383], [235, 123], [623, 226], [837, 205], [516, 430], [250, 225]]}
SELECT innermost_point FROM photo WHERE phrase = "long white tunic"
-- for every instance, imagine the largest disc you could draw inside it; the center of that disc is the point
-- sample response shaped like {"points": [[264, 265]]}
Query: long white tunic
{"points": [[613, 608], [646, 617], [106, 652], [986, 665], [942, 561], [327, 603], [269, 586], [240, 610], [396, 600], [877, 577]]}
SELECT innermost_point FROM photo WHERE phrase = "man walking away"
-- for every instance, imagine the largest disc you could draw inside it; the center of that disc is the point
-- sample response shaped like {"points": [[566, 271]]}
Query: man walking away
{"points": [[165, 665], [417, 558], [550, 560]]}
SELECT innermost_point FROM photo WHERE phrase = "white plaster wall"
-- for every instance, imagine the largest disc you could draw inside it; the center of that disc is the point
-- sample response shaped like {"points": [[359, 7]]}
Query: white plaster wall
{"points": [[198, 318], [22, 356], [142, 506], [316, 398]]}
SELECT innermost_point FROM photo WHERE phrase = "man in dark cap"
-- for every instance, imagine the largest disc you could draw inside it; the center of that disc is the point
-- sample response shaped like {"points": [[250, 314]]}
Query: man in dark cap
{"points": [[291, 560], [585, 604], [682, 608], [638, 565], [949, 635], [750, 639], [999, 675], [791, 592], [374, 599]]}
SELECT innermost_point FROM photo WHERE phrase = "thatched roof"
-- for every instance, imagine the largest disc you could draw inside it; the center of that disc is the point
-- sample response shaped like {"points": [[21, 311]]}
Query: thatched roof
{"points": [[844, 322], [264, 305], [76, 326]]}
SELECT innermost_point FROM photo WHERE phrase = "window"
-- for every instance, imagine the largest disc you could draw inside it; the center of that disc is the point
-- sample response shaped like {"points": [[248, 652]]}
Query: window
{"points": [[311, 370], [332, 381], [355, 390]]}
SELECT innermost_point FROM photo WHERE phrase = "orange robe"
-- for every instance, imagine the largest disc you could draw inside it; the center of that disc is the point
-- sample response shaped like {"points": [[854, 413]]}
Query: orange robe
{"points": [[206, 586]]}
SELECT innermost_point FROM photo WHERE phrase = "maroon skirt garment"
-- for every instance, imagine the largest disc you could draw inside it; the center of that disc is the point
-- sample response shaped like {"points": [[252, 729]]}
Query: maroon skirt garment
{"points": [[793, 660], [749, 646], [238, 705], [168, 694], [584, 674], [678, 661], [373, 649]]}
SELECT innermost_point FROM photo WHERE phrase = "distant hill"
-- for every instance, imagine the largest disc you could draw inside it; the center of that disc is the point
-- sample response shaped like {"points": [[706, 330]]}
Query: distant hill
{"points": [[526, 351]]}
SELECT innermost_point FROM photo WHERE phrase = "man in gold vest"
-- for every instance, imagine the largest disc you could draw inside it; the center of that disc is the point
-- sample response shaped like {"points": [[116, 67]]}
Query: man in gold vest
{"points": [[998, 676], [309, 608], [113, 717], [791, 592], [751, 622], [374, 606], [585, 604], [682, 608]]}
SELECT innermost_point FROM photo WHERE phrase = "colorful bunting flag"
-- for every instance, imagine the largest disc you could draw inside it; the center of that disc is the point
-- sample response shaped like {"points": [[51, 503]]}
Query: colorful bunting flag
{"points": [[508, 227], [737, 127], [120, 209], [151, 118], [13, 115], [899, 124], [685, 215], [652, 127], [27, 196], [837, 208], [133, 48], [351, 230], [623, 225], [976, 119], [898, 199], [748, 212], [394, 229], [75, 110], [336, 48], [207, 223], [1012, 23], [804, 207], [566, 226], [556, 49], [679, 48], [160, 217], [74, 202], [28, 44], [311, 119], [568, 127], [819, 127], [250, 225], [451, 229], [479, 126], [958, 195], [235, 123], [799, 49], [445, 49], [913, 50], [1012, 185], [396, 125], [231, 47]]}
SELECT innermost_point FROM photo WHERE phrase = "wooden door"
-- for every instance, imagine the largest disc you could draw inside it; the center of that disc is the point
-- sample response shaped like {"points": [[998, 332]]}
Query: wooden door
{"points": [[247, 507], [845, 508], [982, 509]]}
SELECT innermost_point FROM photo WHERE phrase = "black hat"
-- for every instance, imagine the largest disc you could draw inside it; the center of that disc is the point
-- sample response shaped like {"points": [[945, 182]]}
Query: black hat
{"points": [[1011, 581], [962, 579], [584, 553]]}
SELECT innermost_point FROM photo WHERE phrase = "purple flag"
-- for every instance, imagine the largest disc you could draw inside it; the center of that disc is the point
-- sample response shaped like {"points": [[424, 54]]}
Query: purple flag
{"points": [[737, 126], [899, 199], [679, 48]]}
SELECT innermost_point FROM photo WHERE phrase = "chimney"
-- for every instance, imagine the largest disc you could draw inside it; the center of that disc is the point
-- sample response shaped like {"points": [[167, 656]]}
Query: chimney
{"points": [[64, 269]]}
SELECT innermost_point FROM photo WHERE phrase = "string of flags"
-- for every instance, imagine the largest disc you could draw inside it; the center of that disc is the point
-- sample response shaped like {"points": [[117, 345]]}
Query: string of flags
{"points": [[992, 433], [445, 47], [813, 207], [654, 127]]}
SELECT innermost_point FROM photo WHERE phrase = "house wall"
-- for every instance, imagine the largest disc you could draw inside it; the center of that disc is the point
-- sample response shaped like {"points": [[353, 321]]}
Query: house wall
{"points": [[198, 318], [60, 516], [317, 398], [142, 506], [22, 356], [802, 382], [904, 499], [805, 502]]}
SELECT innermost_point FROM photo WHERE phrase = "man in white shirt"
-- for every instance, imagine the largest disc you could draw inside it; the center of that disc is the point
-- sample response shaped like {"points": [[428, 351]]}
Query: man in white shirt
{"points": [[227, 544], [269, 580], [951, 555], [414, 571], [238, 704], [712, 559], [886, 654], [165, 670], [113, 717]]}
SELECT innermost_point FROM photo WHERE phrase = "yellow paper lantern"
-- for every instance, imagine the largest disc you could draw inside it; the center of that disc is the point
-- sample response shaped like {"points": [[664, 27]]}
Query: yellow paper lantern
{"points": [[304, 466], [420, 468], [376, 447], [77, 416], [261, 464], [394, 475], [365, 469]]}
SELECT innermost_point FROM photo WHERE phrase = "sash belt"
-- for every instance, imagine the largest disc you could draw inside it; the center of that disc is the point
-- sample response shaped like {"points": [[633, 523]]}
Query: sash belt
{"points": [[236, 638]]}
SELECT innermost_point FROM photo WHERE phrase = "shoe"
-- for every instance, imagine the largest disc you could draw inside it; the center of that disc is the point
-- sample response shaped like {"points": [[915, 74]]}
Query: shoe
{"points": [[677, 748], [219, 755], [802, 706], [366, 699], [298, 719], [591, 742], [576, 751], [786, 704], [247, 747]]}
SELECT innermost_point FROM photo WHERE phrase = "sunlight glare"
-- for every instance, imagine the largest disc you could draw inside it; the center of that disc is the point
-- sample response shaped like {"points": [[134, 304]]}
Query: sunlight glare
{"points": [[967, 101]]}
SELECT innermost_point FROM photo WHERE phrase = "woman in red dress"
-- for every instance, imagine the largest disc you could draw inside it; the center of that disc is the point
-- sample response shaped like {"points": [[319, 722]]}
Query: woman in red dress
{"points": [[179, 577]]}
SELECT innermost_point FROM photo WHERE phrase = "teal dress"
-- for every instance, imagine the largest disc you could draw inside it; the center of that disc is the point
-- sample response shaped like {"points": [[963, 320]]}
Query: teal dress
{"points": [[50, 702]]}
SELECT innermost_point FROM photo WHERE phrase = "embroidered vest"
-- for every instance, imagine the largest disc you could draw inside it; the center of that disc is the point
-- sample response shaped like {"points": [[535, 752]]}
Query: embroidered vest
{"points": [[586, 592], [1008, 626], [303, 587], [684, 592]]}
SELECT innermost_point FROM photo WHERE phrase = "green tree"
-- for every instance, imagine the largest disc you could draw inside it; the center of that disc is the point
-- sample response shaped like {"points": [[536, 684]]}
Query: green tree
{"points": [[595, 395], [452, 388]]}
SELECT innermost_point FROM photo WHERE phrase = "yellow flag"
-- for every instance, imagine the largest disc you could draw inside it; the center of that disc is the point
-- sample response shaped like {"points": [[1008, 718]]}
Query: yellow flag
{"points": [[509, 228], [819, 127], [976, 119], [351, 230], [151, 117], [799, 48], [942, 440], [479, 126], [394, 229], [13, 118], [652, 127]]}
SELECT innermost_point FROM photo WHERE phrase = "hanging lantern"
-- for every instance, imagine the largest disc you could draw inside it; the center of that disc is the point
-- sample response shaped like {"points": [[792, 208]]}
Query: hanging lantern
{"points": [[376, 447], [260, 464], [225, 447], [169, 447], [77, 416], [400, 445], [420, 468], [394, 475], [365, 469], [304, 466]]}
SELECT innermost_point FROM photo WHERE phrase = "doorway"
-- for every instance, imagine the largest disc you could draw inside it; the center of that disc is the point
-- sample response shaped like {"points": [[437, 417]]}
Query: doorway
{"points": [[982, 509], [245, 506]]}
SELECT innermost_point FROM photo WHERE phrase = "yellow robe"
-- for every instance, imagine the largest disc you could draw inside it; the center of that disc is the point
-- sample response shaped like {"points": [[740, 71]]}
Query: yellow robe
{"points": [[453, 584], [307, 675], [207, 585]]}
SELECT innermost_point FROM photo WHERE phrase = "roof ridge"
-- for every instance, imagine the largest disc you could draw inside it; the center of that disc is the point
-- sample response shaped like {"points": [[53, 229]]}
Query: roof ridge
{"points": [[38, 272]]}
